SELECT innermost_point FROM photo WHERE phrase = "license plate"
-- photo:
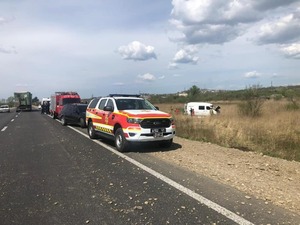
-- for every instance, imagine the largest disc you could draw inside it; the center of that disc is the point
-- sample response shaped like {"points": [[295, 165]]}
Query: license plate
{"points": [[158, 132]]}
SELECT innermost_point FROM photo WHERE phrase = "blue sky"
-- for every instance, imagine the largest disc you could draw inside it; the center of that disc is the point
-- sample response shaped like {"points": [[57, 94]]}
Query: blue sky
{"points": [[98, 47]]}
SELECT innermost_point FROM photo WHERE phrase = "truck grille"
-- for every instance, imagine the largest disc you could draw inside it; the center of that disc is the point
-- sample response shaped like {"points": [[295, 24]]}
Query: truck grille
{"points": [[155, 123]]}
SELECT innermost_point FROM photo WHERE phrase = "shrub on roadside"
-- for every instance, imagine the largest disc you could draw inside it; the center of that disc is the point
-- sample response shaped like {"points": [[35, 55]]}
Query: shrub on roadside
{"points": [[252, 104]]}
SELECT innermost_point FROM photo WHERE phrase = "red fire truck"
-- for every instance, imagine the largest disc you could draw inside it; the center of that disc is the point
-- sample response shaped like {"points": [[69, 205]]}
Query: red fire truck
{"points": [[59, 99]]}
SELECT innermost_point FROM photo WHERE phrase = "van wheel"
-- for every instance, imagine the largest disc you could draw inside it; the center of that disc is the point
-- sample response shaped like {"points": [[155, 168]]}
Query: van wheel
{"points": [[120, 141], [63, 121], [91, 131], [166, 144]]}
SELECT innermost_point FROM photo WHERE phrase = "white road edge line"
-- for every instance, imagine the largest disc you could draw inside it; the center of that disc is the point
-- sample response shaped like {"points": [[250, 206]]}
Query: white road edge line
{"points": [[4, 128], [225, 212]]}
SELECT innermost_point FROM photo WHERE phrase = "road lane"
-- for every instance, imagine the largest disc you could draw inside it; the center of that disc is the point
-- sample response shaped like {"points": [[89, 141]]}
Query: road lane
{"points": [[52, 175], [6, 118]]}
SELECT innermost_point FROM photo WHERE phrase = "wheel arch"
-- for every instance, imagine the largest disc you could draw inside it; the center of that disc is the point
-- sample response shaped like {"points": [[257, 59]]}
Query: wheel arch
{"points": [[116, 127], [89, 120]]}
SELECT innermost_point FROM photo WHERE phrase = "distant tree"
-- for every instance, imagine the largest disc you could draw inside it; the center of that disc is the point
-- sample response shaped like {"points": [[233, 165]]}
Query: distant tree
{"points": [[193, 92], [10, 101], [35, 100]]}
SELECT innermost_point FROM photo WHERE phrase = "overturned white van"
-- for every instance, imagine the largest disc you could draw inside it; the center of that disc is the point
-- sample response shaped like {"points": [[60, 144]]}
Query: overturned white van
{"points": [[200, 109]]}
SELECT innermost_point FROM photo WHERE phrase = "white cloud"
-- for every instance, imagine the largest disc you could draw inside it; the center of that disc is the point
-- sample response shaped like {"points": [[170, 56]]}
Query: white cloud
{"points": [[11, 50], [137, 51], [182, 56], [292, 51], [147, 77], [275, 75], [213, 12], [218, 22], [186, 55], [5, 20], [211, 21], [252, 74], [118, 84], [172, 66], [284, 30], [177, 75]]}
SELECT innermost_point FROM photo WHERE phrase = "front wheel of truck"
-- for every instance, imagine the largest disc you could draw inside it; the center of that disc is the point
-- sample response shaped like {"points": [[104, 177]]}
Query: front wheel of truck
{"points": [[120, 141]]}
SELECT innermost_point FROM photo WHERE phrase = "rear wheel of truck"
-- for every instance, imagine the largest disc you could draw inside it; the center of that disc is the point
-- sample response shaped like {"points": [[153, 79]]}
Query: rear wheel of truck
{"points": [[82, 123], [91, 130], [120, 141]]}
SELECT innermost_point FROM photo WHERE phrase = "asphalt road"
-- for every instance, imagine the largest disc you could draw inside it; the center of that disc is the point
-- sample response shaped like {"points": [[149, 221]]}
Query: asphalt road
{"points": [[54, 174]]}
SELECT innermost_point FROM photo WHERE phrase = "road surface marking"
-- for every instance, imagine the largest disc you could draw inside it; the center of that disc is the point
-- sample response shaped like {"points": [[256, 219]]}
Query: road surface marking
{"points": [[225, 212], [4, 128]]}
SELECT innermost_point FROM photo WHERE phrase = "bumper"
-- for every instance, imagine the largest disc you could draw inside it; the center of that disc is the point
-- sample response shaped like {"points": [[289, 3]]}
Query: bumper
{"points": [[147, 135], [4, 111]]}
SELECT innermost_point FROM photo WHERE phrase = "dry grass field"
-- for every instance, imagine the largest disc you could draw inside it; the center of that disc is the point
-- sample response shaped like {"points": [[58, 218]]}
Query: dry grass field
{"points": [[275, 133]]}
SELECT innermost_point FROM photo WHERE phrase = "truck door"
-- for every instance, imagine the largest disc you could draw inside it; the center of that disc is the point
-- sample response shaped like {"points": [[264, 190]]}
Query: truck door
{"points": [[108, 117], [99, 112]]}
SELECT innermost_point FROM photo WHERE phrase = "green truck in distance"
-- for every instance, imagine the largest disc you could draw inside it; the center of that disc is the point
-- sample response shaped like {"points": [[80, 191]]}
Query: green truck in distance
{"points": [[24, 100]]}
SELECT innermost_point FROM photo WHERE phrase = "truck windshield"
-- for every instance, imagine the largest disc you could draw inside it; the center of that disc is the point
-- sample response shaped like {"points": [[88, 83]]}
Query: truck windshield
{"points": [[134, 104], [70, 100]]}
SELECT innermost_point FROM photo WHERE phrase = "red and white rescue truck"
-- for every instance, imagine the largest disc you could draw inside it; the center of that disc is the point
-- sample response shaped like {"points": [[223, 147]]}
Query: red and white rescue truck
{"points": [[59, 99], [127, 119]]}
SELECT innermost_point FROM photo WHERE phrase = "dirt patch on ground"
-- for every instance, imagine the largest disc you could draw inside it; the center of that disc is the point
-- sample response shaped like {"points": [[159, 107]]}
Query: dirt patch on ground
{"points": [[271, 179]]}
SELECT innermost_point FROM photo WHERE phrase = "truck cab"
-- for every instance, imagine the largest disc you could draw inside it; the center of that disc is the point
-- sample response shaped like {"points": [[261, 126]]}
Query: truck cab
{"points": [[59, 99]]}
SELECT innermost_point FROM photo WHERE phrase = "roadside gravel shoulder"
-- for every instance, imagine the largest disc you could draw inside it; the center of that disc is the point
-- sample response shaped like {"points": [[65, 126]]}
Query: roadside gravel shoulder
{"points": [[271, 179]]}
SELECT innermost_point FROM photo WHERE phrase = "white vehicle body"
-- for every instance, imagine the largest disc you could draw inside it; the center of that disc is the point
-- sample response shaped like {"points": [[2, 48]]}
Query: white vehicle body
{"points": [[199, 109], [45, 100], [4, 108]]}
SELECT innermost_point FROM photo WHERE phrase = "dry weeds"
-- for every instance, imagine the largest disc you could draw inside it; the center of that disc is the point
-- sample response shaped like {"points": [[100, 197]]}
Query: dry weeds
{"points": [[275, 133]]}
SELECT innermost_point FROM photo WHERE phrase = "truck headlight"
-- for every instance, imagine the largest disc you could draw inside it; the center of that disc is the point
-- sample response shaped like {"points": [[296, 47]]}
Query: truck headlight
{"points": [[134, 120]]}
